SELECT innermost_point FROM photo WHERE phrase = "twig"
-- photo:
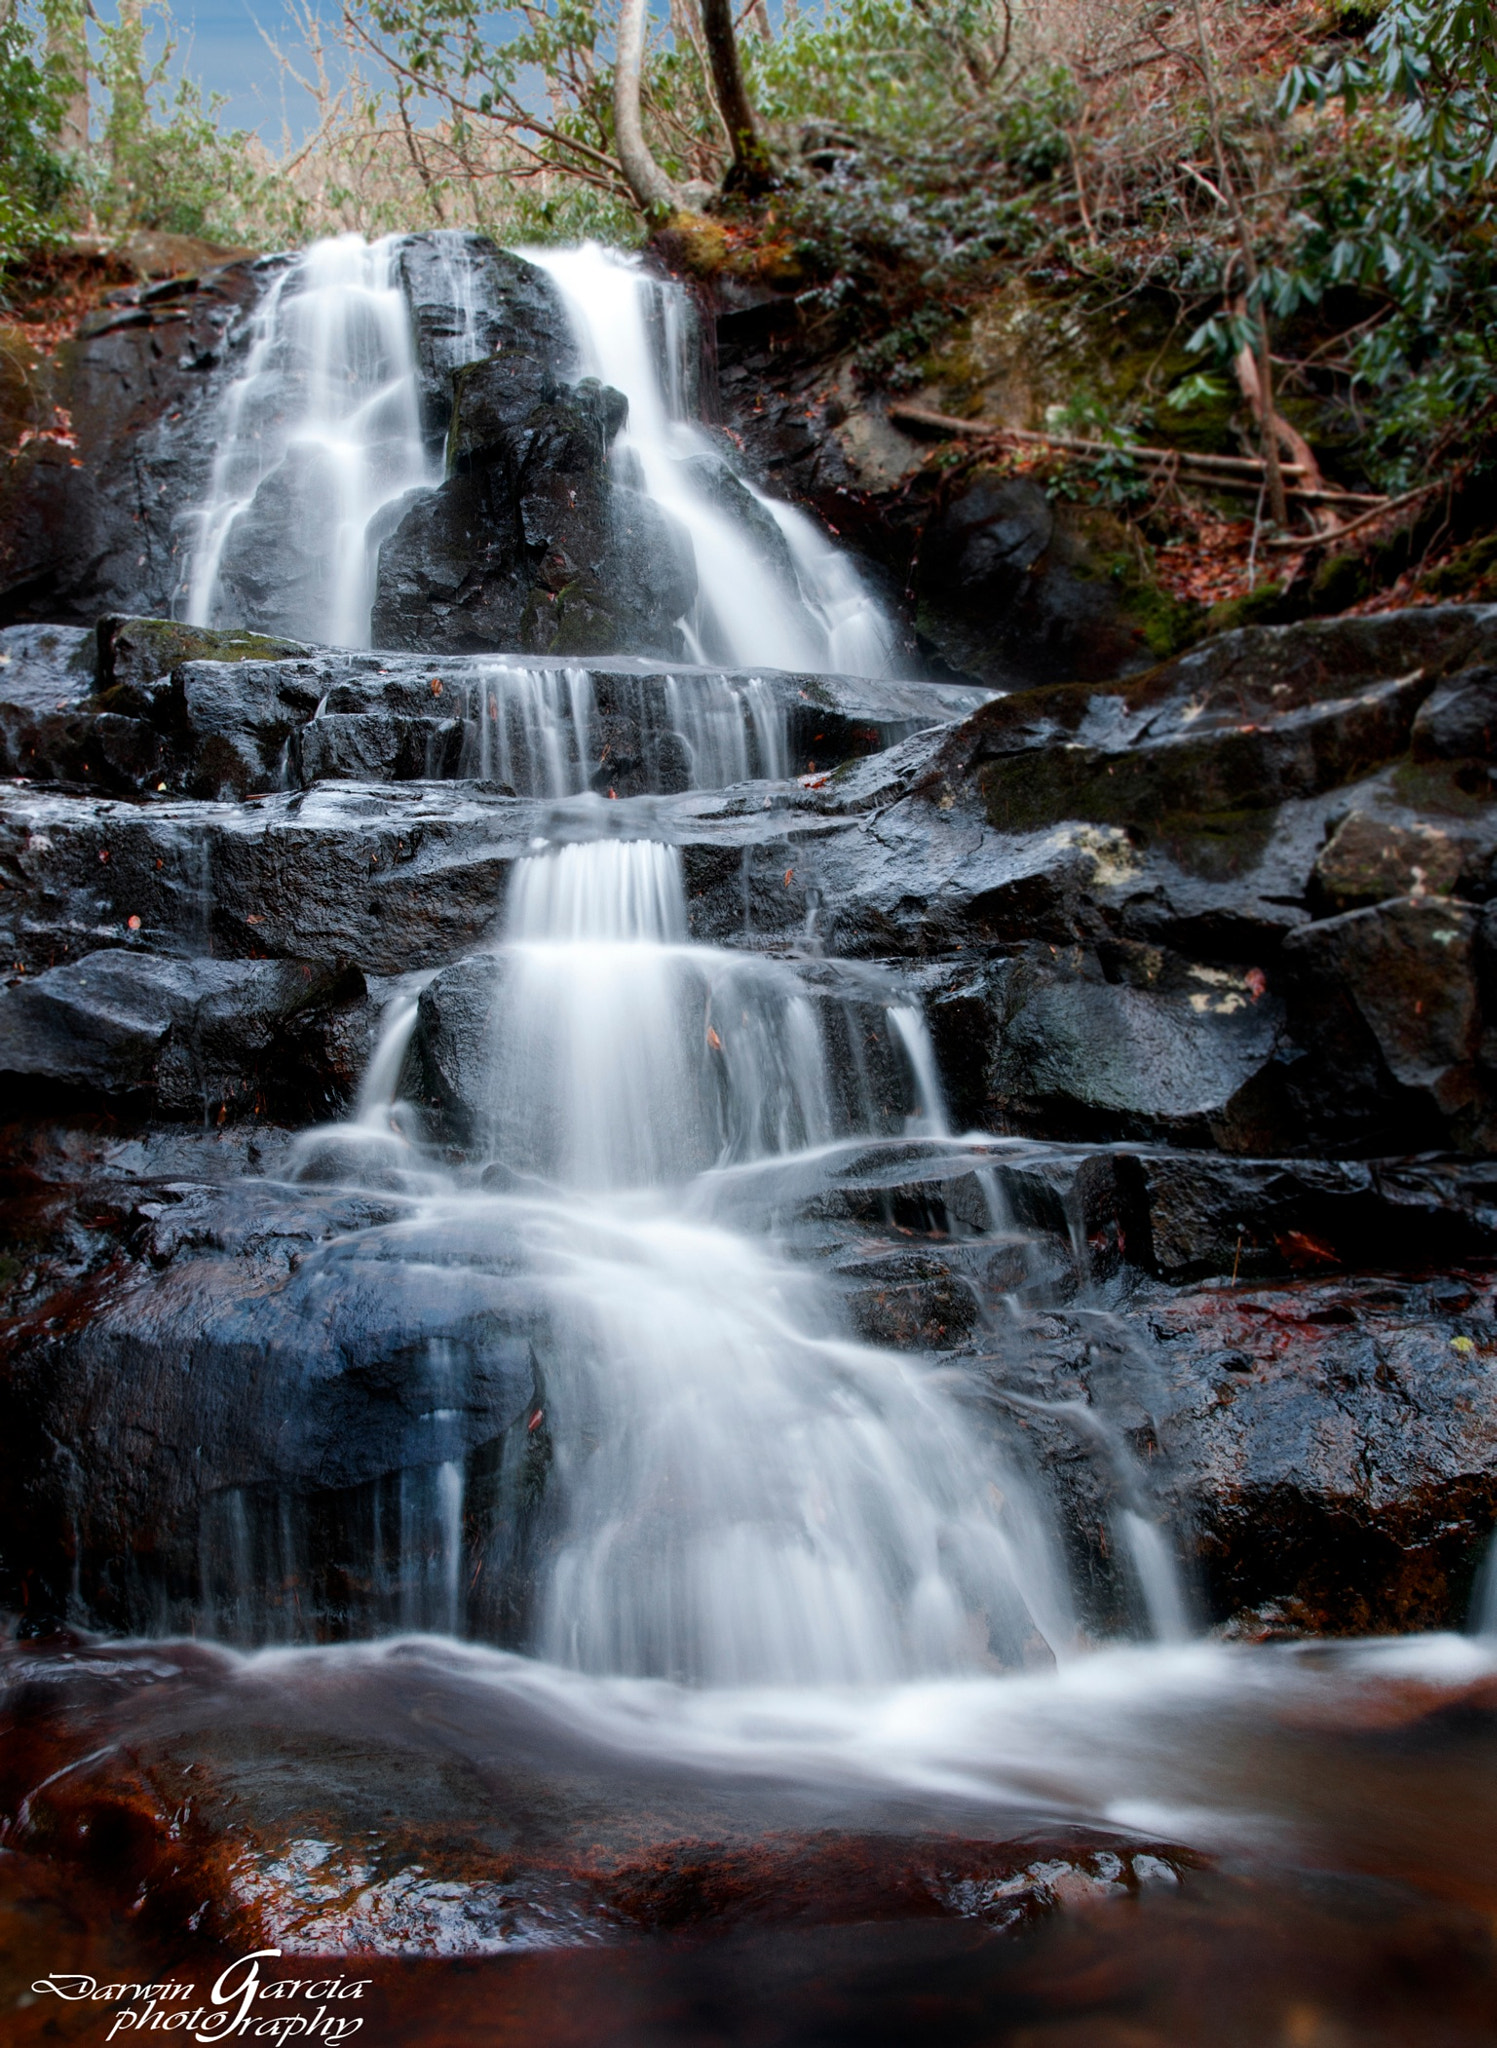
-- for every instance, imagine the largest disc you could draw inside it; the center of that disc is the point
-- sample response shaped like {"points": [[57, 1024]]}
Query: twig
{"points": [[921, 416], [1315, 540]]}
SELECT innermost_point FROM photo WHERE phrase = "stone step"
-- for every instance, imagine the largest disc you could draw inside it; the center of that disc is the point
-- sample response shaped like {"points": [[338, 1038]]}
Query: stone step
{"points": [[207, 714]]}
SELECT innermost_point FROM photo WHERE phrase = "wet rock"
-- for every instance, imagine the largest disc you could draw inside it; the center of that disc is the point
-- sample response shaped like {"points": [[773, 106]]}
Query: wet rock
{"points": [[1325, 1444], [92, 523], [1066, 1050], [1006, 590], [215, 1424], [1460, 720], [340, 874], [455, 1043], [1258, 716], [1367, 861], [186, 1038], [46, 668], [530, 545], [135, 653], [470, 300], [1389, 1015], [227, 714], [1198, 1213]]}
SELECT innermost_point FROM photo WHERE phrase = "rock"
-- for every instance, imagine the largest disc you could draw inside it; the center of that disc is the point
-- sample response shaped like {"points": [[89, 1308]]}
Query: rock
{"points": [[530, 545], [1325, 1444], [1367, 861], [469, 300], [1196, 1214], [1006, 590], [1389, 1013], [233, 1408], [135, 653], [92, 523], [455, 1044], [46, 668], [1074, 1054], [1460, 720], [185, 1038]]}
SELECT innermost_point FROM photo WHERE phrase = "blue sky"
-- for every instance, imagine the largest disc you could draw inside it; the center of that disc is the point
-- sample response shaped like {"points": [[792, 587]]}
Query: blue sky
{"points": [[219, 44]]}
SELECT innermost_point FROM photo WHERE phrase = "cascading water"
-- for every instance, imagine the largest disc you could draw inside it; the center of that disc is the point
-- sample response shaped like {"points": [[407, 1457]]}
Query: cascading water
{"points": [[771, 588], [744, 1496], [319, 433], [537, 729]]}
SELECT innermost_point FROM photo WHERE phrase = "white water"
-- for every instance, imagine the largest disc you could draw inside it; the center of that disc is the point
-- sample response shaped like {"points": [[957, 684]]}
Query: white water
{"points": [[744, 1495], [739, 1493], [536, 729], [808, 611], [317, 437], [320, 436]]}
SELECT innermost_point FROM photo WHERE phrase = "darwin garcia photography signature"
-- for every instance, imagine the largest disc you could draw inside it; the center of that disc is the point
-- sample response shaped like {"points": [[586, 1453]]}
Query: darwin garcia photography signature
{"points": [[242, 2004]]}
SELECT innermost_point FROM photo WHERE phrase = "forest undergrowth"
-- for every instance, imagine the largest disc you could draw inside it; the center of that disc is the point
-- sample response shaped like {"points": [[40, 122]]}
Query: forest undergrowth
{"points": [[1262, 237]]}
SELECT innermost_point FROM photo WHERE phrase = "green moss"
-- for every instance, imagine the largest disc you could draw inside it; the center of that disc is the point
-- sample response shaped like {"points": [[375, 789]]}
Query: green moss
{"points": [[1215, 846], [1472, 570], [1269, 605], [1168, 624], [136, 652]]}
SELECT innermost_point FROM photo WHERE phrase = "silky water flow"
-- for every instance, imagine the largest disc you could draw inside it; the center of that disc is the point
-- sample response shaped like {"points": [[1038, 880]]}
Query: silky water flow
{"points": [[735, 1491]]}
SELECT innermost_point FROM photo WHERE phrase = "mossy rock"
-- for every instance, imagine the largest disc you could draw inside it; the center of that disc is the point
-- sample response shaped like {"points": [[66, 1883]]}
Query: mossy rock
{"points": [[134, 653]]}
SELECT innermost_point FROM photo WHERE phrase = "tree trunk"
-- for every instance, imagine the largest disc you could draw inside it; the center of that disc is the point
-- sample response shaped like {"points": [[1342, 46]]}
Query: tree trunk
{"points": [[657, 194], [1277, 502], [67, 48], [750, 167]]}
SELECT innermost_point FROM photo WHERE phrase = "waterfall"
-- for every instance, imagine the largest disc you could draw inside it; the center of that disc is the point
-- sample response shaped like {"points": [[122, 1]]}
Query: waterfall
{"points": [[318, 435], [738, 1491], [537, 729], [321, 435], [742, 1494], [771, 588]]}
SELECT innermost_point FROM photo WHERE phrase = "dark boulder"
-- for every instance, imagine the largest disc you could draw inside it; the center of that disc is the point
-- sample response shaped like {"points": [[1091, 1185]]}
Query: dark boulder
{"points": [[1325, 1447], [1460, 720], [469, 300], [1158, 1048], [1388, 1011], [1367, 860], [204, 1038], [1007, 590], [207, 1435], [530, 545]]}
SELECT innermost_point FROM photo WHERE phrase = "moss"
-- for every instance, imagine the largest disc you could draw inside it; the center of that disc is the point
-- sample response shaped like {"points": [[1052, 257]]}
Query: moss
{"points": [[1168, 624], [136, 652], [1438, 786], [1271, 604], [697, 245], [1470, 572], [1215, 846], [1115, 554]]}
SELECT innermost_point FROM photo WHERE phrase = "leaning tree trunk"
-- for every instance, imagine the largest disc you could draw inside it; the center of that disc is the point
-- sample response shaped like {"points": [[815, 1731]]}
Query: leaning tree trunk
{"points": [[750, 167], [656, 193]]}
